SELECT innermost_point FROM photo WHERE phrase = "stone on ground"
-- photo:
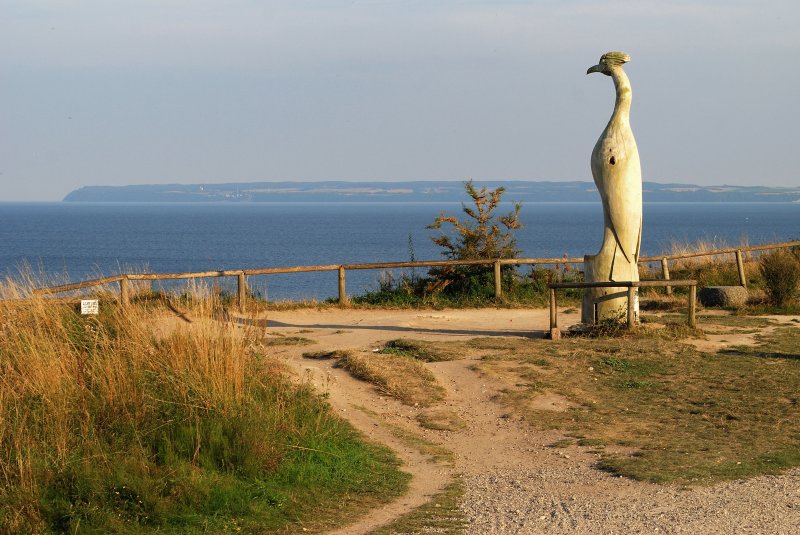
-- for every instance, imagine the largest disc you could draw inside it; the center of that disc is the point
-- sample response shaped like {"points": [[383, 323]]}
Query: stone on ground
{"points": [[723, 296]]}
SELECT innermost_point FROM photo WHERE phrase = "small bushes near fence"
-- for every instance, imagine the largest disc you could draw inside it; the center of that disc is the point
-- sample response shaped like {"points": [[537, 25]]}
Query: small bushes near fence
{"points": [[521, 286], [781, 273]]}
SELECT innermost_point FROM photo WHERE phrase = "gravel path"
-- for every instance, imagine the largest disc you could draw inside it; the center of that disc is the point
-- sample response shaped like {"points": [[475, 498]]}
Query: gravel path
{"points": [[558, 499]]}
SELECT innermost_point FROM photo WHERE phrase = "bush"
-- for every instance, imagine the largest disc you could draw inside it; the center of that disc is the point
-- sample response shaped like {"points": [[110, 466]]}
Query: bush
{"points": [[781, 272], [479, 236]]}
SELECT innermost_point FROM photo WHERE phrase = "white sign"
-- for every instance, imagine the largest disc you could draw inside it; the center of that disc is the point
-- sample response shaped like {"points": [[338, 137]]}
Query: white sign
{"points": [[90, 306]]}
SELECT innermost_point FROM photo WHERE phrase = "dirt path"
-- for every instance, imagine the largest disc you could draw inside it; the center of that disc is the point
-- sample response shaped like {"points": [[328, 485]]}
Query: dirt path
{"points": [[514, 481], [379, 417], [350, 397]]}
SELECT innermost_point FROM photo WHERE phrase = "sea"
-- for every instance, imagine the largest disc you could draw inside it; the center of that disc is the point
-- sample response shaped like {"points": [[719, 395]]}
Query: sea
{"points": [[69, 242]]}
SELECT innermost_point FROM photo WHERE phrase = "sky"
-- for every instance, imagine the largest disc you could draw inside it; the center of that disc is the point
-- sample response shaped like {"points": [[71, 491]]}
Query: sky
{"points": [[101, 92]]}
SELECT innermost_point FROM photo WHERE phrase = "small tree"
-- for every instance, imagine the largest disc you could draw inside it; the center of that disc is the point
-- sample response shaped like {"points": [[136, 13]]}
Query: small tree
{"points": [[480, 236]]}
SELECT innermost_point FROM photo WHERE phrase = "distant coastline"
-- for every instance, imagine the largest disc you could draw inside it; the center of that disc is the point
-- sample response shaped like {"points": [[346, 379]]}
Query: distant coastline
{"points": [[415, 191]]}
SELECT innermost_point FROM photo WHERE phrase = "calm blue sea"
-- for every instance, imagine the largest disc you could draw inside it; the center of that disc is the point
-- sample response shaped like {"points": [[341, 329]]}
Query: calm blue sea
{"points": [[73, 242]]}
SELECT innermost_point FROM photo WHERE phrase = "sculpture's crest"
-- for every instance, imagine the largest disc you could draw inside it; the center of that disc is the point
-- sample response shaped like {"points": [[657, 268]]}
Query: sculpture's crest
{"points": [[615, 58]]}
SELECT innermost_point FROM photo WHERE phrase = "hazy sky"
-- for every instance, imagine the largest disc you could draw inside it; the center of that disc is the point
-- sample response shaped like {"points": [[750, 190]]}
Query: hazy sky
{"points": [[113, 92]]}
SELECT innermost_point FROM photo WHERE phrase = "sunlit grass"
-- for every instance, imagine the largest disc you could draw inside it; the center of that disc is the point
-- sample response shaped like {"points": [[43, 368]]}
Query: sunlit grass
{"points": [[119, 424]]}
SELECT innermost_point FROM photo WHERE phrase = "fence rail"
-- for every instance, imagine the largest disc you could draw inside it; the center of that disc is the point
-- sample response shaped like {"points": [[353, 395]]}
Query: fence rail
{"points": [[241, 274]]}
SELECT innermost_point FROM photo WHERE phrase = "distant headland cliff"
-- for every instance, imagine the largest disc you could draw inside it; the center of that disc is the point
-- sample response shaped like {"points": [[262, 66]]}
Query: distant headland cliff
{"points": [[422, 191]]}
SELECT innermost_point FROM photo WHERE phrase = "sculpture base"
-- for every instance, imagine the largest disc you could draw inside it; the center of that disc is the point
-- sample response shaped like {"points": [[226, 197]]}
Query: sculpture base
{"points": [[602, 304]]}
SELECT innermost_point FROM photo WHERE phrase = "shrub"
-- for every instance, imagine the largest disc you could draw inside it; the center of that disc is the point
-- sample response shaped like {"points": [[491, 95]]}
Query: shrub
{"points": [[781, 272], [480, 236]]}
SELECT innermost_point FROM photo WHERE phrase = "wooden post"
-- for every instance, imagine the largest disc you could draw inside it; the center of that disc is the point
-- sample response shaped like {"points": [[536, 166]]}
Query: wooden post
{"points": [[555, 334], [242, 284], [665, 272], [124, 292], [498, 281], [342, 292], [693, 306], [631, 302], [740, 265]]}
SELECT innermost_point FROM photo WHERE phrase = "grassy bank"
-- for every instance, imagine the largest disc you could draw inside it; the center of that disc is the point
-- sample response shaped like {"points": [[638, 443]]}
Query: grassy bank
{"points": [[107, 427]]}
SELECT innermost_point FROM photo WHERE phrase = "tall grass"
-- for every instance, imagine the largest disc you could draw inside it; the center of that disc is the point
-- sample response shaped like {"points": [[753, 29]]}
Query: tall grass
{"points": [[715, 270], [116, 424], [677, 247]]}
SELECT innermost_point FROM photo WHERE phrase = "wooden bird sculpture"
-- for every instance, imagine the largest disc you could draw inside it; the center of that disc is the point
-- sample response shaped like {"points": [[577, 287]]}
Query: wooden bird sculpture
{"points": [[618, 176]]}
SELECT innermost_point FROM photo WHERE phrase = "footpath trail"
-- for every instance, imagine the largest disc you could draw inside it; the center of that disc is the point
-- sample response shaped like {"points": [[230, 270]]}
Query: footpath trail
{"points": [[514, 481]]}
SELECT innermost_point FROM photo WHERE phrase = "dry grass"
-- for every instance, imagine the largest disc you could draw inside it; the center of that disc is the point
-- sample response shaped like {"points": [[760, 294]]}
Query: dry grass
{"points": [[715, 270], [398, 376], [109, 425], [702, 246], [441, 420], [87, 372]]}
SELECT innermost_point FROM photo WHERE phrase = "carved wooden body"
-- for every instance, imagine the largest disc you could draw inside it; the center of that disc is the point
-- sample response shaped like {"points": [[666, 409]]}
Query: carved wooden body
{"points": [[618, 176]]}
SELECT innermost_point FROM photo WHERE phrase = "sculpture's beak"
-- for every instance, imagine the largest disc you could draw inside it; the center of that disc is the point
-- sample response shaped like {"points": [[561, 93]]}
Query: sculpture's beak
{"points": [[596, 68]]}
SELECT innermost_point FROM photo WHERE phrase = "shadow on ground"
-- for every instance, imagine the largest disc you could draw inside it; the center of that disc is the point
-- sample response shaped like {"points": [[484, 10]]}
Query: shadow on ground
{"points": [[264, 323]]}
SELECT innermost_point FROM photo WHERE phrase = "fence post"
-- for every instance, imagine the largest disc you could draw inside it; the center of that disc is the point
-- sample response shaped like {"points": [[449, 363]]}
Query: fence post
{"points": [[555, 334], [242, 284], [342, 291], [665, 272], [498, 281], [693, 306], [631, 301], [740, 265], [124, 292]]}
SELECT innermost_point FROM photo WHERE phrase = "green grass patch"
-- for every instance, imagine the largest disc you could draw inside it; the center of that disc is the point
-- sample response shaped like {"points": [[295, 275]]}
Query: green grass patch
{"points": [[783, 343], [735, 320], [288, 341], [591, 442], [440, 515], [791, 309], [630, 366], [419, 350], [327, 354]]}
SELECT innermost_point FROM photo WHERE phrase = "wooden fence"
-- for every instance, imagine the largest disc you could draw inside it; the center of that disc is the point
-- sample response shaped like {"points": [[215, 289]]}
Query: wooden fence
{"points": [[241, 274], [555, 334]]}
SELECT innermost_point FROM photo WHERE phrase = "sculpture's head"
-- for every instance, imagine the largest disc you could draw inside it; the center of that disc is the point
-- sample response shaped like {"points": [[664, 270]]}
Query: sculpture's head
{"points": [[608, 61]]}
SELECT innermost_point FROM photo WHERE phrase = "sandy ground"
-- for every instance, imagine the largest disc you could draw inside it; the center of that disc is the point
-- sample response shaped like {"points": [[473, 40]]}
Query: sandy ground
{"points": [[514, 482]]}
